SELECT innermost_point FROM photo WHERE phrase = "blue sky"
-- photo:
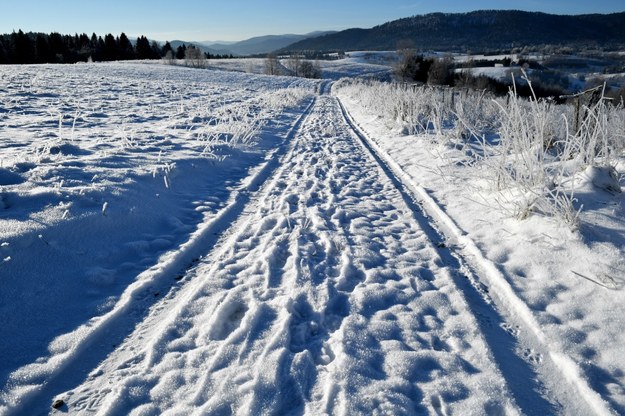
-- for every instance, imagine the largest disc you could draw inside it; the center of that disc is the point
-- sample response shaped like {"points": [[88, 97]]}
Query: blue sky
{"points": [[197, 20]]}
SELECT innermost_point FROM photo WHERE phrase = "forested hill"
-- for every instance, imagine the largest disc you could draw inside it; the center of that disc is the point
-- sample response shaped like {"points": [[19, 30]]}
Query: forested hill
{"points": [[38, 48], [30, 48], [478, 31]]}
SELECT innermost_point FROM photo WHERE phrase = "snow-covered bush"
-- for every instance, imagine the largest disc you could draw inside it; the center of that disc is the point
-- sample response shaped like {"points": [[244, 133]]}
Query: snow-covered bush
{"points": [[522, 165], [476, 114]]}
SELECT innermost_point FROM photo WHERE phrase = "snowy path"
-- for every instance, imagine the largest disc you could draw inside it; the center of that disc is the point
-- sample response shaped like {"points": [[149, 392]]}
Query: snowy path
{"points": [[321, 289], [326, 296]]}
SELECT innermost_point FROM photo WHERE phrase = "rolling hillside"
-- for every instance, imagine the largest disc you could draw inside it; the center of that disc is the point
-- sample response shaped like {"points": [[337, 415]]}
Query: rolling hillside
{"points": [[478, 31]]}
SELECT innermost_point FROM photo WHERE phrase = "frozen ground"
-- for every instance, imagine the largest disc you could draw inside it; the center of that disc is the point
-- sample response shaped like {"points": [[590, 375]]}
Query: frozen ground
{"points": [[179, 241]]}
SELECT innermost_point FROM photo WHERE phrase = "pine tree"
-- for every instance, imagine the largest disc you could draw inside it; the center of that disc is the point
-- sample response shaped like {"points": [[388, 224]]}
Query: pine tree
{"points": [[3, 53], [93, 42], [156, 50], [143, 50], [23, 47], [100, 49], [167, 48], [126, 51], [110, 48], [57, 47], [181, 51], [84, 50], [28, 48], [96, 48], [42, 49]]}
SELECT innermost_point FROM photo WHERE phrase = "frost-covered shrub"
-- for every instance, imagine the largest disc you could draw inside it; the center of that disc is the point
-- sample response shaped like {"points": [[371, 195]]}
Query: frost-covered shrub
{"points": [[599, 137], [543, 147], [405, 108], [522, 165], [239, 123], [476, 114]]}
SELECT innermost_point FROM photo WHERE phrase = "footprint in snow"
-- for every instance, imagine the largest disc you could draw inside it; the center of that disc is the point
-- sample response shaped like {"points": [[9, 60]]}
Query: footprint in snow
{"points": [[512, 330], [532, 356], [304, 329], [228, 319]]}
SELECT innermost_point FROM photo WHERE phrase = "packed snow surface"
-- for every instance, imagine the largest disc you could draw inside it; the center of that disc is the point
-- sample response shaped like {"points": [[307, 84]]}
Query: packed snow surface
{"points": [[183, 241]]}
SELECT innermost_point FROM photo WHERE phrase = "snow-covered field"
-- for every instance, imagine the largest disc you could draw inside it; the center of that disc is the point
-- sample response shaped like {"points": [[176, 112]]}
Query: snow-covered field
{"points": [[359, 64], [183, 241]]}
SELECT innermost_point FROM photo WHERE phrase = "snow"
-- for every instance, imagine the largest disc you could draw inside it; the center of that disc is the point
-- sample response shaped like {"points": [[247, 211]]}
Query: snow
{"points": [[185, 241], [300, 311]]}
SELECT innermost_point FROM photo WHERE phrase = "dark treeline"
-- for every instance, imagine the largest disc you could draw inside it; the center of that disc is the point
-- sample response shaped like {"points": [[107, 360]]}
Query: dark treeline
{"points": [[38, 48]]}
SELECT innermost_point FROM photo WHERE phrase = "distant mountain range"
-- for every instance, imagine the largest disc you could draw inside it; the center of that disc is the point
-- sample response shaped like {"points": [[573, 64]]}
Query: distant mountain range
{"points": [[175, 43], [254, 46], [477, 31], [263, 44]]}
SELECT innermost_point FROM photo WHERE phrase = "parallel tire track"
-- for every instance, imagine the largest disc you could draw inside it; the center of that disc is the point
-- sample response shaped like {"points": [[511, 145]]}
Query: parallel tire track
{"points": [[326, 297]]}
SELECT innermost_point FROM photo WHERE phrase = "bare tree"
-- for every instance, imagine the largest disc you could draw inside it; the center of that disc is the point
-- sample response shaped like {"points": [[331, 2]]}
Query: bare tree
{"points": [[169, 57], [195, 57], [293, 63], [308, 69], [272, 65], [441, 72]]}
